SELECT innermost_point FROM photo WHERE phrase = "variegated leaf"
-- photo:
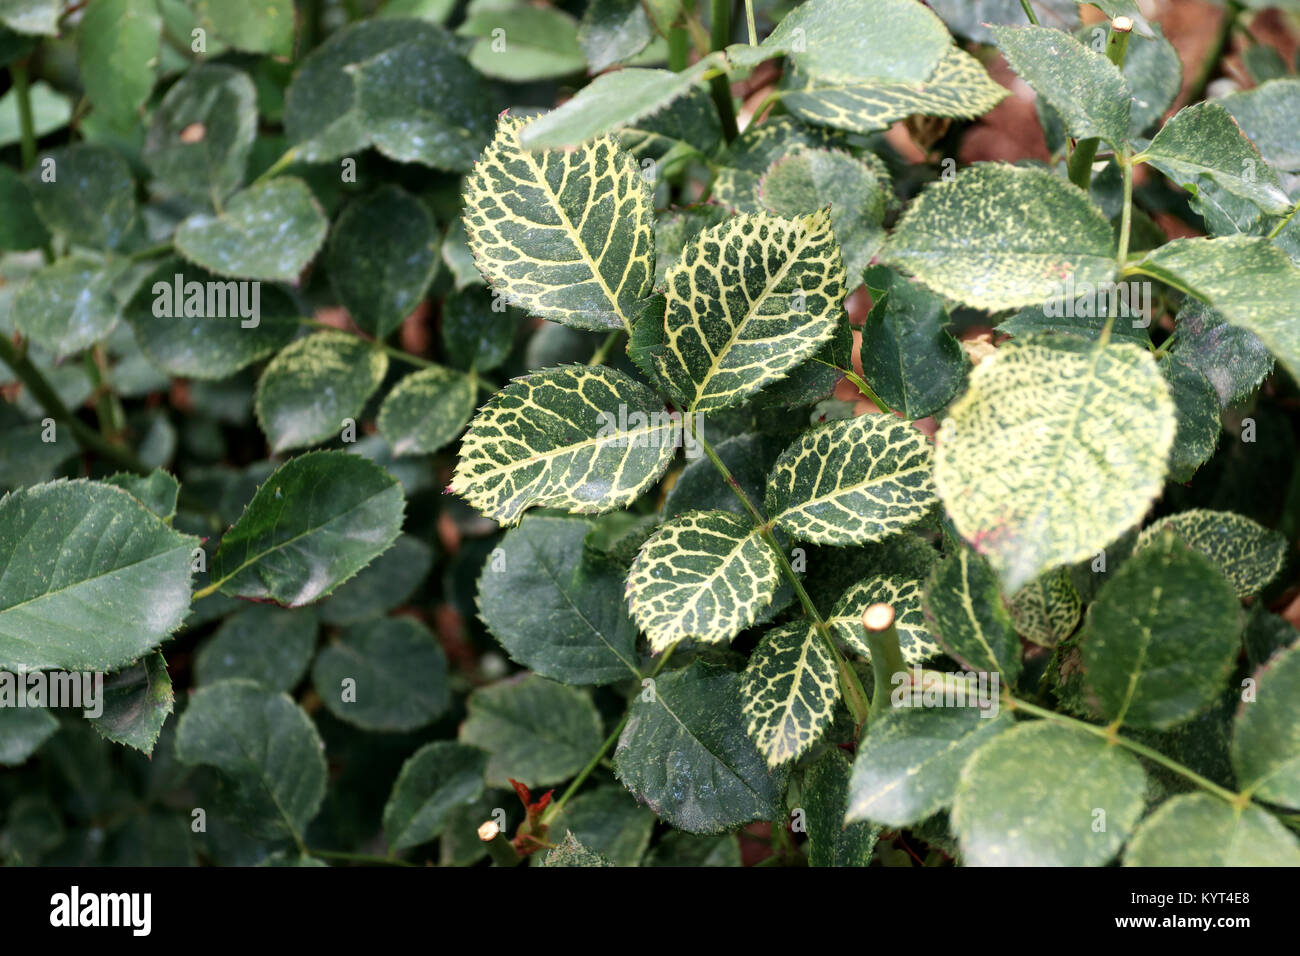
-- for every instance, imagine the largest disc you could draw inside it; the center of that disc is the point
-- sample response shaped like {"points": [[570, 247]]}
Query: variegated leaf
{"points": [[750, 299], [1002, 237], [1248, 554], [852, 481], [904, 596], [1047, 609], [790, 689], [587, 440], [1044, 421], [565, 234], [963, 605], [705, 575], [959, 88], [735, 183]]}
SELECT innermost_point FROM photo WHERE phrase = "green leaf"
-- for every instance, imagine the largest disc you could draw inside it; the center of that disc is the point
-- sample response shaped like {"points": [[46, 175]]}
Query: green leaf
{"points": [[611, 102], [559, 438], [435, 780], [31, 16], [387, 582], [1154, 75], [731, 329], [1161, 637], [371, 83], [136, 703], [685, 849], [555, 608], [316, 521], [203, 162], [1196, 829], [753, 153], [94, 579], [313, 386], [964, 609], [826, 793], [157, 491], [904, 596], [266, 749], [90, 200], [537, 732], [204, 327], [268, 231], [789, 691], [258, 26], [50, 111], [703, 575], [1250, 281], [1234, 360], [1080, 84], [385, 674], [570, 852], [959, 87], [427, 410], [908, 767], [852, 481], [1266, 733], [612, 31], [1042, 418], [999, 237], [565, 235], [20, 227], [908, 357], [522, 43], [262, 643], [1204, 140], [23, 731], [609, 822], [1248, 554], [972, 18], [1047, 609], [1197, 405], [1031, 796], [685, 753], [68, 306], [478, 330], [1267, 114], [117, 50], [806, 180]]}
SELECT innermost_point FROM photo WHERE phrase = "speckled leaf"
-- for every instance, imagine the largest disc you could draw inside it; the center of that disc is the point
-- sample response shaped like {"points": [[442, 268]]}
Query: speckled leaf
{"points": [[259, 26], [382, 255], [566, 235], [23, 731], [266, 749], [434, 781], [313, 385], [1197, 829], [68, 306], [558, 438], [91, 200], [137, 702], [315, 522], [613, 30], [522, 43], [964, 609], [385, 674], [426, 410], [117, 52], [1000, 237], [959, 88], [1029, 797], [267, 231], [790, 689], [749, 300], [904, 596], [217, 343], [263, 643], [204, 162], [908, 766], [1248, 554], [555, 608], [826, 795], [537, 731], [1047, 609], [157, 490], [1268, 114], [1196, 404], [94, 579], [852, 481], [755, 150], [1161, 637], [569, 852], [608, 821], [703, 575], [685, 753], [1081, 85], [1250, 281], [1043, 418], [1233, 359], [1266, 732]]}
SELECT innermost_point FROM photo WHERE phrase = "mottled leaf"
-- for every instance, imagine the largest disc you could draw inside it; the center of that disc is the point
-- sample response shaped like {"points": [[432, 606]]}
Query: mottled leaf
{"points": [[789, 691], [964, 609], [1249, 555], [426, 410]]}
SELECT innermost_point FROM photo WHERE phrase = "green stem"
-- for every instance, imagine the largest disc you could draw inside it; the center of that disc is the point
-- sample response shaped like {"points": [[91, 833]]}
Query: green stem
{"points": [[1126, 214], [1282, 225], [557, 807], [602, 351], [886, 654], [399, 354], [108, 408], [850, 685], [49, 400], [679, 45], [1029, 12], [278, 166], [719, 38], [1110, 735], [749, 22], [1085, 151], [26, 126], [859, 384], [151, 252]]}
